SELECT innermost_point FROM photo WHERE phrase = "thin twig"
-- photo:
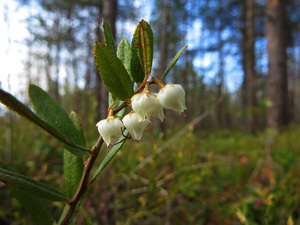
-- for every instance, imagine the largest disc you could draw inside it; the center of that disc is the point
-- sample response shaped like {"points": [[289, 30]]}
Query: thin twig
{"points": [[83, 183]]}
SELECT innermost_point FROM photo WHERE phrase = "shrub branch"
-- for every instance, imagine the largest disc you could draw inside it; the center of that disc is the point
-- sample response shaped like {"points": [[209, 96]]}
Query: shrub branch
{"points": [[83, 185]]}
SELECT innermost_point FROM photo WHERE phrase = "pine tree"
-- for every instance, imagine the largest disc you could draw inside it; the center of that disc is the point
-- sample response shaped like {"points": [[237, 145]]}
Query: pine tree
{"points": [[277, 86]]}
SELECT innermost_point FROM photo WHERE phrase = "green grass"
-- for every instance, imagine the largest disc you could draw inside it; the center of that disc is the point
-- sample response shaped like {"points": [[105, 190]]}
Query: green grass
{"points": [[205, 177], [202, 177]]}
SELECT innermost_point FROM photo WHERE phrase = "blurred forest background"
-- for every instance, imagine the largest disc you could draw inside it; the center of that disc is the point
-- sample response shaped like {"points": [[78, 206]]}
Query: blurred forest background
{"points": [[233, 160]]}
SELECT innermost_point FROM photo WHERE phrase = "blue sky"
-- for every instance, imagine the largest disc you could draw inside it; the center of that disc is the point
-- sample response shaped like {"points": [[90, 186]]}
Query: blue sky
{"points": [[13, 50]]}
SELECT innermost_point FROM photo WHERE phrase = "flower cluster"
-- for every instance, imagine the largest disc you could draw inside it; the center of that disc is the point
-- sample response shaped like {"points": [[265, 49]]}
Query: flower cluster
{"points": [[145, 105]]}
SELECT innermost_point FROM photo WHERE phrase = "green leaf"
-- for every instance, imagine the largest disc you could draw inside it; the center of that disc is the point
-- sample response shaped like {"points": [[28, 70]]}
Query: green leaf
{"points": [[173, 62], [136, 69], [73, 165], [64, 212], [113, 73], [51, 112], [30, 186], [108, 37], [86, 215], [77, 123], [124, 54], [110, 155], [22, 110], [144, 46], [34, 206], [31, 204]]}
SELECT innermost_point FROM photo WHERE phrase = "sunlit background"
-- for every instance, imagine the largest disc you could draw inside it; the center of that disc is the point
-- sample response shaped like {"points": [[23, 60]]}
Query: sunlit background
{"points": [[16, 20]]}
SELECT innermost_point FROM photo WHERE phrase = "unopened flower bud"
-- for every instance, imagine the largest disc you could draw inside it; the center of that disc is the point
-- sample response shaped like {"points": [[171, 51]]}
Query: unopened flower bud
{"points": [[134, 127], [146, 105], [110, 129], [172, 96]]}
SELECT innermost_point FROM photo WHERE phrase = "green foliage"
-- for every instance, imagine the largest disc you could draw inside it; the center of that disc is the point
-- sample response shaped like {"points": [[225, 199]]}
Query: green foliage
{"points": [[18, 107], [30, 186], [73, 165], [204, 176], [51, 112], [173, 62], [32, 205], [136, 60], [136, 69], [113, 73], [119, 70], [144, 46], [124, 54], [111, 154], [108, 37], [64, 211]]}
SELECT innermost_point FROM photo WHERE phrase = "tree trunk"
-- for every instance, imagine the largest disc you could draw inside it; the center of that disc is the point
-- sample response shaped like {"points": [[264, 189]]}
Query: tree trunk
{"points": [[249, 84], [53, 83], [89, 62], [297, 85], [109, 14], [110, 9], [277, 83], [47, 67], [163, 43], [220, 81], [57, 56]]}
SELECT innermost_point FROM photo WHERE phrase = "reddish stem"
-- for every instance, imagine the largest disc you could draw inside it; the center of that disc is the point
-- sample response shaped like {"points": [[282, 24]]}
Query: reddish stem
{"points": [[83, 185]]}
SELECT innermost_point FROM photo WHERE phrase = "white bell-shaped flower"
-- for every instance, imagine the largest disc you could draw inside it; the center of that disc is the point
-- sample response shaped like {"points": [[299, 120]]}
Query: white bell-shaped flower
{"points": [[110, 129], [172, 96], [146, 105], [134, 127]]}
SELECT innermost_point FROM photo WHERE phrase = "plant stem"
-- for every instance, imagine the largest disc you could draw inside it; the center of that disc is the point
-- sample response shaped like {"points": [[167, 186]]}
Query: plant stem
{"points": [[83, 183], [159, 82], [140, 88]]}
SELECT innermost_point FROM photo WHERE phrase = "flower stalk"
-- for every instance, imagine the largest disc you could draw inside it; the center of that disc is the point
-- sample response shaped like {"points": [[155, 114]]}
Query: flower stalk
{"points": [[171, 96], [84, 183]]}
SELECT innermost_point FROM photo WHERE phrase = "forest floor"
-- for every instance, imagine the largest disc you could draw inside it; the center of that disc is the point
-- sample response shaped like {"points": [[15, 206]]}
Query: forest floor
{"points": [[202, 177]]}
